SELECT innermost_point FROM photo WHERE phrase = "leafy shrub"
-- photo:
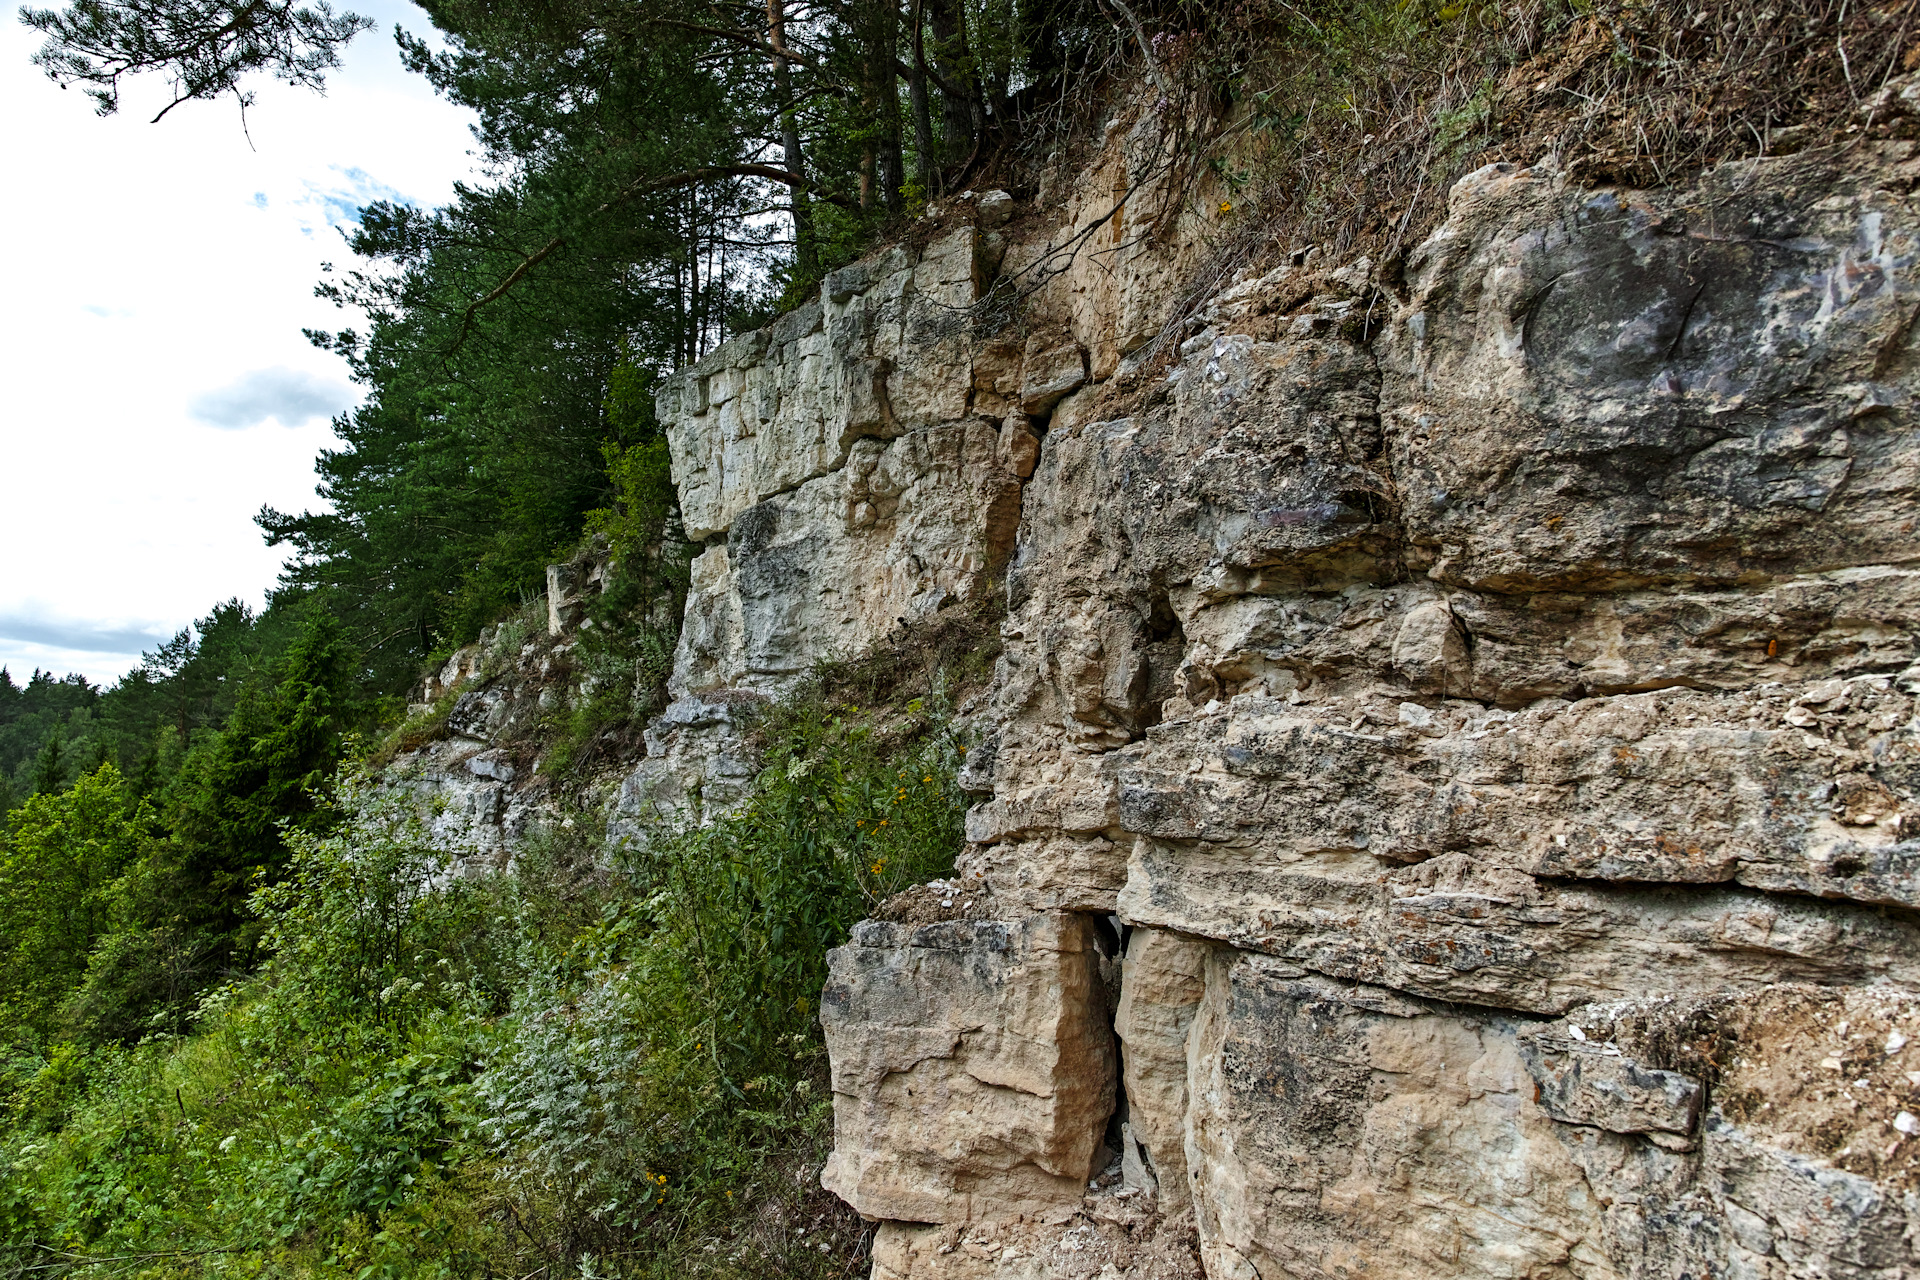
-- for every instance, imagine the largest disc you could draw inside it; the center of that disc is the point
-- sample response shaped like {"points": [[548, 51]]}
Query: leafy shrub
{"points": [[594, 1065], [61, 859]]}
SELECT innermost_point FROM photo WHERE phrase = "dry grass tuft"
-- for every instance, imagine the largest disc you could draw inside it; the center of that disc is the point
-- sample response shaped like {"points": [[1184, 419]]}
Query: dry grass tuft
{"points": [[1342, 125], [951, 652]]}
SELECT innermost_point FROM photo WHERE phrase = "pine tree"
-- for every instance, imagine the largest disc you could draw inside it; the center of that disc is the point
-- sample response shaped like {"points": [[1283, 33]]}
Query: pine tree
{"points": [[266, 769], [50, 766]]}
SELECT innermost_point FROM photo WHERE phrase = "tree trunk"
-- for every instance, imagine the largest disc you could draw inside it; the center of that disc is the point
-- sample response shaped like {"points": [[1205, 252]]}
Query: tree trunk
{"points": [[806, 257], [960, 113], [883, 104], [917, 99]]}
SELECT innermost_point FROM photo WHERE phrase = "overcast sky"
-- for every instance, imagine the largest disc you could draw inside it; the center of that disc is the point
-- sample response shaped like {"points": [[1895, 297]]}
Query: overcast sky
{"points": [[157, 386]]}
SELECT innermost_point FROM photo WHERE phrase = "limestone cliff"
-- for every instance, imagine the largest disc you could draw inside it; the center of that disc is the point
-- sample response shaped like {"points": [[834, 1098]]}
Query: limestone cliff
{"points": [[1447, 801], [1447, 804]]}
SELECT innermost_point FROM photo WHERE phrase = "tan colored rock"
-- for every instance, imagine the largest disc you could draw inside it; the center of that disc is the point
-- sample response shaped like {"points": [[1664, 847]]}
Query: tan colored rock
{"points": [[1019, 446], [1114, 1236], [1053, 873], [1442, 852], [1797, 1168], [1164, 980], [947, 274], [1796, 354], [1453, 930], [1337, 1129], [1538, 636], [1050, 370], [973, 1068], [882, 354], [1577, 1082]]}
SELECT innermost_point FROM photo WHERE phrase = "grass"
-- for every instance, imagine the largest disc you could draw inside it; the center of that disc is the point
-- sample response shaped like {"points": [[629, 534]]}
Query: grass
{"points": [[420, 726]]}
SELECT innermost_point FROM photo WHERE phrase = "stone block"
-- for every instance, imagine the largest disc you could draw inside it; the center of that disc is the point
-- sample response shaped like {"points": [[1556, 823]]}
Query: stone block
{"points": [[973, 1068], [1340, 1130], [1050, 370], [1160, 991], [1592, 1084], [1019, 446], [827, 569]]}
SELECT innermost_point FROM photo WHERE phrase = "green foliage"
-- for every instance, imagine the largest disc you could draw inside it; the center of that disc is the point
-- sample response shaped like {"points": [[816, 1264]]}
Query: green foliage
{"points": [[123, 906], [150, 722], [415, 729], [262, 773], [512, 337], [627, 650], [205, 46], [644, 500], [61, 859], [368, 929], [42, 712], [592, 1068]]}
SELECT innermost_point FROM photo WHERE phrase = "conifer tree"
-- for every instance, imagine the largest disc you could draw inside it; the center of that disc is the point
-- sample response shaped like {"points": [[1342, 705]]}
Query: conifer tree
{"points": [[266, 769]]}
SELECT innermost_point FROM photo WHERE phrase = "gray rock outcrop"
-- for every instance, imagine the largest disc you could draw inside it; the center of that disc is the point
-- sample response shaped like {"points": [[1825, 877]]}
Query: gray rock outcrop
{"points": [[1469, 716]]}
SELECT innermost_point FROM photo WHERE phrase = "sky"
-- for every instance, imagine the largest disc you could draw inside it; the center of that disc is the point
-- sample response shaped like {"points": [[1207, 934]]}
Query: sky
{"points": [[157, 387]]}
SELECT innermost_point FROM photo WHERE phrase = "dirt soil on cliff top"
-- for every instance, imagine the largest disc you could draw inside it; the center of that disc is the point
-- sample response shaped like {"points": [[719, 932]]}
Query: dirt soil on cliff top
{"points": [[1824, 1072]]}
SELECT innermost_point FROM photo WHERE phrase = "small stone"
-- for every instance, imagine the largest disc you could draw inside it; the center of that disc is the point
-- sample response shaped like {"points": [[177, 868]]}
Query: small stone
{"points": [[1895, 1042], [1908, 1123]]}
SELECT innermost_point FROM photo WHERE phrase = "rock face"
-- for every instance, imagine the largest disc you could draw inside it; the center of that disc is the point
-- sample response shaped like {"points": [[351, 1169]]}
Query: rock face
{"points": [[836, 470], [1471, 714], [973, 1067]]}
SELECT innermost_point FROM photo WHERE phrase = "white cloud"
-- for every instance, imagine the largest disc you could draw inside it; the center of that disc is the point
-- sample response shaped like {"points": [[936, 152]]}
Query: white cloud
{"points": [[39, 637], [89, 636], [171, 272], [339, 202], [288, 396]]}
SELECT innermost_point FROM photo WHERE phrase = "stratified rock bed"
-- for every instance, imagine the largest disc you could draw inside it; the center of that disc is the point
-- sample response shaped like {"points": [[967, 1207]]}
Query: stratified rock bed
{"points": [[1447, 803]]}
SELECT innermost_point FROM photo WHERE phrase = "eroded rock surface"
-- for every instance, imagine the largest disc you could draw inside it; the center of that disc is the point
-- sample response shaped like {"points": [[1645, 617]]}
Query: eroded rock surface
{"points": [[1477, 698], [973, 1068]]}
